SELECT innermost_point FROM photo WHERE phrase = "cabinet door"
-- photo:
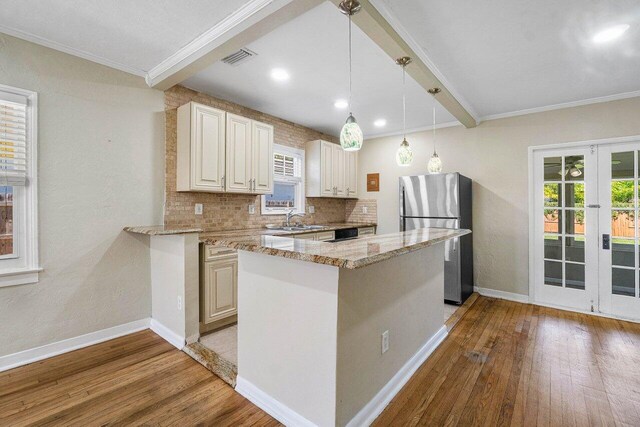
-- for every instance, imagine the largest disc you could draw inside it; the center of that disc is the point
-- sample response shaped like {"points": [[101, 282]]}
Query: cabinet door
{"points": [[262, 163], [326, 169], [308, 236], [338, 170], [351, 174], [220, 289], [239, 143]]}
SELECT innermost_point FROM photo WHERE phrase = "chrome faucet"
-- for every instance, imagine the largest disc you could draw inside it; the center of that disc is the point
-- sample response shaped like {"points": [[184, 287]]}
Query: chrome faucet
{"points": [[290, 215]]}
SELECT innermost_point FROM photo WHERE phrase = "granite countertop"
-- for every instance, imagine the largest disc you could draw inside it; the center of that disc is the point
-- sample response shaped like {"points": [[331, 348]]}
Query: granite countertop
{"points": [[349, 254], [161, 230], [254, 232]]}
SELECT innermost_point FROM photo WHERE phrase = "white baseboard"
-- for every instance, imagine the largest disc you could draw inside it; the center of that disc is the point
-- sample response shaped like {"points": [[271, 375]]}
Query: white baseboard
{"points": [[371, 410], [167, 334], [271, 406], [25, 357], [502, 295]]}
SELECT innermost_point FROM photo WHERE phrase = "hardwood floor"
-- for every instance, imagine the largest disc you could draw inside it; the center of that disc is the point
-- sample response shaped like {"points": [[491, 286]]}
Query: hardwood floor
{"points": [[139, 379], [503, 363], [506, 363]]}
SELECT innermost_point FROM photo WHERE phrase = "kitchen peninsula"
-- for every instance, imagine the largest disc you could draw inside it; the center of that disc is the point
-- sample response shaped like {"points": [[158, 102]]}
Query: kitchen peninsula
{"points": [[329, 332]]}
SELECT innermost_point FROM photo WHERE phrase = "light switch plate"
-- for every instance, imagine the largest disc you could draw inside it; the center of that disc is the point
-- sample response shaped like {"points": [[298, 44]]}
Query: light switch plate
{"points": [[312, 209], [385, 342], [198, 208], [252, 209], [365, 209]]}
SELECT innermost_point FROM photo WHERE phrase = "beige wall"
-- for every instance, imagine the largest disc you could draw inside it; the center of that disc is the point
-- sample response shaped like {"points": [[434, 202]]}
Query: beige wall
{"points": [[495, 156], [101, 165], [228, 211]]}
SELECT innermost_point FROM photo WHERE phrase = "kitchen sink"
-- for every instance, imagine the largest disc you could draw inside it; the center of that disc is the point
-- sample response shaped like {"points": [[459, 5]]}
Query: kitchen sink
{"points": [[297, 227]]}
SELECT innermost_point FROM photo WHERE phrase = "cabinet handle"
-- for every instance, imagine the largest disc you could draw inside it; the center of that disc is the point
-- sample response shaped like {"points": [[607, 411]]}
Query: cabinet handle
{"points": [[223, 181]]}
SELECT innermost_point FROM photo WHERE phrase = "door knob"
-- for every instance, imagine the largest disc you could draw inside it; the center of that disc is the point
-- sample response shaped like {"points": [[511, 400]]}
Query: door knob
{"points": [[606, 241]]}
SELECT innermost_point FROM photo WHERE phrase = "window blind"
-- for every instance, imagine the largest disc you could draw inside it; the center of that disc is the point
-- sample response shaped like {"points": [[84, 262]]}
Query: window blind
{"points": [[287, 165], [13, 139]]}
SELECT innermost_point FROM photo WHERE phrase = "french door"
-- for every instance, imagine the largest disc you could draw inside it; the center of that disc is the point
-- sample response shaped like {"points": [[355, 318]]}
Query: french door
{"points": [[586, 236]]}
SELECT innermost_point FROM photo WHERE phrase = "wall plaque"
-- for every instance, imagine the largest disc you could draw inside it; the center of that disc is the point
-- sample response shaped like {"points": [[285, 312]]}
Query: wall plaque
{"points": [[373, 182]]}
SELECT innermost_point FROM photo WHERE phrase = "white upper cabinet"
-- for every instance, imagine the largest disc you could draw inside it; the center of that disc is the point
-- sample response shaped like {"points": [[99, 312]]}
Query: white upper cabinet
{"points": [[200, 148], [219, 151], [239, 144], [351, 174], [262, 159], [330, 170]]}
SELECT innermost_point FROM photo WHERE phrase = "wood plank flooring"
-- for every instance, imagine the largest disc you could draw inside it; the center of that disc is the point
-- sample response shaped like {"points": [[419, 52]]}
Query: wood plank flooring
{"points": [[503, 363]]}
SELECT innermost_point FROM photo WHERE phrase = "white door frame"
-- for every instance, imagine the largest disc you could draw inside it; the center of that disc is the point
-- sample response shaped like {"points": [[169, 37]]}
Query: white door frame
{"points": [[532, 194]]}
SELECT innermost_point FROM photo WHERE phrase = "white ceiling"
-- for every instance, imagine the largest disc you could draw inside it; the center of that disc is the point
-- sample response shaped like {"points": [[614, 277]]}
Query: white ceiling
{"points": [[499, 57], [504, 56], [313, 49], [135, 35]]}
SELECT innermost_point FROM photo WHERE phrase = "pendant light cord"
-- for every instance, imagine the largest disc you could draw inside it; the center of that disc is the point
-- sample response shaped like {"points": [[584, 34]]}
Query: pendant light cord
{"points": [[350, 109], [404, 105], [434, 125]]}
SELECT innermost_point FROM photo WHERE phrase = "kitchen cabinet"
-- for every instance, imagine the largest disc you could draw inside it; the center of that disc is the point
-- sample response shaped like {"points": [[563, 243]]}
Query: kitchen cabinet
{"points": [[351, 174], [364, 231], [330, 171], [223, 152], [200, 148], [219, 284], [262, 158], [320, 236]]}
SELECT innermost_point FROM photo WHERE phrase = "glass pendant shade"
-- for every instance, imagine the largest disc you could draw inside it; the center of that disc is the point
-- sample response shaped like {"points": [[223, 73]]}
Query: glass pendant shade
{"points": [[435, 164], [351, 135], [404, 155]]}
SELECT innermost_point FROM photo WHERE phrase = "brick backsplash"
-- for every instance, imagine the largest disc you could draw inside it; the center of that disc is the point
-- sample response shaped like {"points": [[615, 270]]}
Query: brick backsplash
{"points": [[353, 210], [225, 211]]}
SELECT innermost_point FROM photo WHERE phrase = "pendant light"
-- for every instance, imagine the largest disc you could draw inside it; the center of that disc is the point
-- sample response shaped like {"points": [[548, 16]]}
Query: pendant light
{"points": [[435, 164], [404, 155], [351, 134]]}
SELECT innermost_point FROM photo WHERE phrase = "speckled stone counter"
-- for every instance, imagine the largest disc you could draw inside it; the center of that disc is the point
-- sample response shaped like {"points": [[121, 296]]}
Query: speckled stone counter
{"points": [[350, 254], [160, 230]]}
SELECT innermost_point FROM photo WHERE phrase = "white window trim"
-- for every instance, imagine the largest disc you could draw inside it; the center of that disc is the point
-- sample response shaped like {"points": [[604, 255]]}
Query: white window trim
{"points": [[28, 271], [293, 152]]}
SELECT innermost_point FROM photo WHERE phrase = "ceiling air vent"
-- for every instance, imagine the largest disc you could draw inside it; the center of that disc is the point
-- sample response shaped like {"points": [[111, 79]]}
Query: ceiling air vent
{"points": [[239, 57]]}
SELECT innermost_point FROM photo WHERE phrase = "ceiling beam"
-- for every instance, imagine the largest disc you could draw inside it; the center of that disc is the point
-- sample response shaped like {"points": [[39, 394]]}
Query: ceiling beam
{"points": [[252, 21], [378, 29]]}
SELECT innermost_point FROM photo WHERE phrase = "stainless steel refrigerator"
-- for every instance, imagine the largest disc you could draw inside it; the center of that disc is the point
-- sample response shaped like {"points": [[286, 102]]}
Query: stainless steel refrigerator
{"points": [[442, 201]]}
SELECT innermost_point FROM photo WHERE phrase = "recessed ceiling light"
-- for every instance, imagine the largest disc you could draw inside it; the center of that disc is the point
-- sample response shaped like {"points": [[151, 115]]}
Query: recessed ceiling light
{"points": [[279, 74], [341, 103], [380, 123], [610, 33]]}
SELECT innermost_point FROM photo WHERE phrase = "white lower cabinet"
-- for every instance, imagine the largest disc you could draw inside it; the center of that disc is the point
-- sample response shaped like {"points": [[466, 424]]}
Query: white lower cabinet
{"points": [[219, 290], [321, 236]]}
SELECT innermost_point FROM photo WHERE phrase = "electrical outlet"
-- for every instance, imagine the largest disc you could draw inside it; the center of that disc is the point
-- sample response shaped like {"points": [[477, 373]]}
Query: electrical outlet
{"points": [[198, 208], [365, 209], [385, 342], [312, 209], [252, 209], [179, 303]]}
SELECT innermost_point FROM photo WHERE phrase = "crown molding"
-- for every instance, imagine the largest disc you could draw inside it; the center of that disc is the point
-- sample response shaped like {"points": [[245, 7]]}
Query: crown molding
{"points": [[423, 56], [71, 51], [588, 101]]}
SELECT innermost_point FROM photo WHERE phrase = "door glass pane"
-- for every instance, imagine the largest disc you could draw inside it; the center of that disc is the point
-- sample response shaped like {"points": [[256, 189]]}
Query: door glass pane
{"points": [[552, 167], [574, 221], [552, 195], [622, 194], [574, 249], [574, 168], [553, 247], [574, 195], [623, 252], [623, 223], [574, 274], [552, 221], [622, 165], [553, 273], [623, 281]]}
